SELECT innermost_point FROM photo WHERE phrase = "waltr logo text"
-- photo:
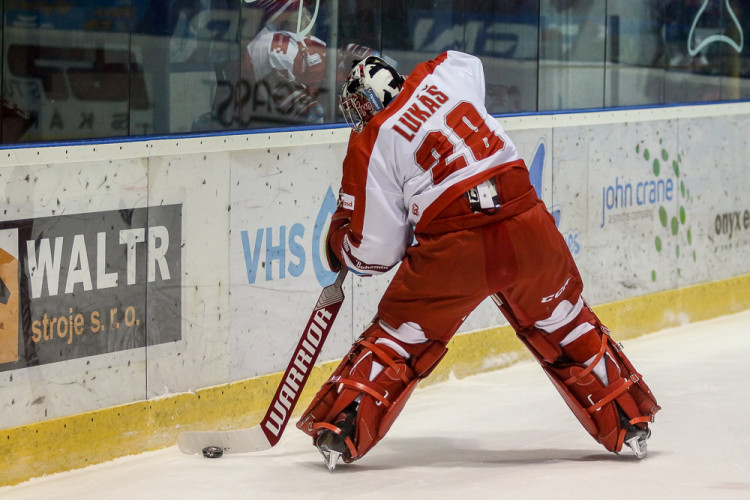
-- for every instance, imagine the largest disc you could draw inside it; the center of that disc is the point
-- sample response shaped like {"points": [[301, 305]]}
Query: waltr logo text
{"points": [[89, 284]]}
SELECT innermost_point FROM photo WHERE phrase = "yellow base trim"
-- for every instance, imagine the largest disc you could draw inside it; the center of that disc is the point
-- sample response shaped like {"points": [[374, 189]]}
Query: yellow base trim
{"points": [[89, 438]]}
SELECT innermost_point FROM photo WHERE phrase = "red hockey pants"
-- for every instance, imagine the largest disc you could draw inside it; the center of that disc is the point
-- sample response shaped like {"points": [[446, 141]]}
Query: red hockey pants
{"points": [[446, 276]]}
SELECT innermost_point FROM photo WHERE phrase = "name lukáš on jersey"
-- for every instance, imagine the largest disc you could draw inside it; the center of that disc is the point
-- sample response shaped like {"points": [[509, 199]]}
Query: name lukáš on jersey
{"points": [[431, 99]]}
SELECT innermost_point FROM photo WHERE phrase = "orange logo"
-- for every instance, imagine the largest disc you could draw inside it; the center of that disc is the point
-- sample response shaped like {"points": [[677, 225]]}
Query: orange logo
{"points": [[8, 307]]}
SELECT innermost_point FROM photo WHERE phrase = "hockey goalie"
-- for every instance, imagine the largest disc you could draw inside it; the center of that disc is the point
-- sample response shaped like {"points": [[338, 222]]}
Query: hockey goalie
{"points": [[426, 161]]}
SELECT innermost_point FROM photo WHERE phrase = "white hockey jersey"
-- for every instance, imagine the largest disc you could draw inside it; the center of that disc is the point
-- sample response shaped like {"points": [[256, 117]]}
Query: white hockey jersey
{"points": [[430, 145]]}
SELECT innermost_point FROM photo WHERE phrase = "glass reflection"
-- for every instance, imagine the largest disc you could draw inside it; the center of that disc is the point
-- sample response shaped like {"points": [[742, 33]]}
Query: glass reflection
{"points": [[68, 70], [75, 70], [572, 54]]}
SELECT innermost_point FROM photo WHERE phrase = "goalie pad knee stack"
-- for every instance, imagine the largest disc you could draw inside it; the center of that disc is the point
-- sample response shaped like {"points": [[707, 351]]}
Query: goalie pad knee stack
{"points": [[368, 390]]}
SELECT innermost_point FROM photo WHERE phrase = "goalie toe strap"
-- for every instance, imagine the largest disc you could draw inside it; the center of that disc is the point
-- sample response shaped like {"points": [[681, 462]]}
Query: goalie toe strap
{"points": [[385, 358], [642, 420], [365, 388], [612, 392]]}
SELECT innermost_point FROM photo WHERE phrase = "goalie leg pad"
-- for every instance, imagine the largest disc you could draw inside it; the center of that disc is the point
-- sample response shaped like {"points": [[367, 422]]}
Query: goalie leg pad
{"points": [[592, 374], [375, 378], [609, 405]]}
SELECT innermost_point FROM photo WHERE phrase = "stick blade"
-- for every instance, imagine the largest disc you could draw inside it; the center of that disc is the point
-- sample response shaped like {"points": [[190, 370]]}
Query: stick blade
{"points": [[236, 441]]}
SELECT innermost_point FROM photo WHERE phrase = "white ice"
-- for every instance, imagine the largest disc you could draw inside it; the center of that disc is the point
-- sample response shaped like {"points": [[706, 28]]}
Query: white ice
{"points": [[505, 434]]}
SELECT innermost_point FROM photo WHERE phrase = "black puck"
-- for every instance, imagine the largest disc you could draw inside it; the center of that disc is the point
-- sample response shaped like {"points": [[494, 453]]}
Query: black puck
{"points": [[213, 452]]}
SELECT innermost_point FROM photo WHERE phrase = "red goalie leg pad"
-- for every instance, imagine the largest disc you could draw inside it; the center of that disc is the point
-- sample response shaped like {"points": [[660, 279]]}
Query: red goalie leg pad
{"points": [[380, 399], [598, 405]]}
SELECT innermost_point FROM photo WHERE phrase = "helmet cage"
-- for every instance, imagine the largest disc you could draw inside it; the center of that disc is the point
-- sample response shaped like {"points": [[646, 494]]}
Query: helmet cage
{"points": [[359, 108]]}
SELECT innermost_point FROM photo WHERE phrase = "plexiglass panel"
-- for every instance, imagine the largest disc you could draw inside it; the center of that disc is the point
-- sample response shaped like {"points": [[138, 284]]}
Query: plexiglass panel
{"points": [[80, 70]]}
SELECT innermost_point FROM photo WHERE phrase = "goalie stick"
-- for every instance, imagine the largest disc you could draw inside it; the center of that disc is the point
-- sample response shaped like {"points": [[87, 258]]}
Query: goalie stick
{"points": [[266, 434]]}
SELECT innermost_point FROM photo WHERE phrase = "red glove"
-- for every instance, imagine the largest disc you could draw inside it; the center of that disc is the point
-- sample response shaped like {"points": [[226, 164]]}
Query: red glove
{"points": [[335, 238]]}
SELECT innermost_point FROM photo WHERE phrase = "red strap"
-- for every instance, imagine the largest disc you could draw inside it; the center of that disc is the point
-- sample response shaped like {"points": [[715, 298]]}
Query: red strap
{"points": [[386, 359], [352, 450], [641, 420], [347, 440], [620, 439], [616, 389], [578, 377], [367, 389], [326, 425]]}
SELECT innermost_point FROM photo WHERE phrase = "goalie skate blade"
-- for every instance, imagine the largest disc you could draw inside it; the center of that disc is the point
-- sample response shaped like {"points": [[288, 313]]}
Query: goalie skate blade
{"points": [[331, 458], [638, 445]]}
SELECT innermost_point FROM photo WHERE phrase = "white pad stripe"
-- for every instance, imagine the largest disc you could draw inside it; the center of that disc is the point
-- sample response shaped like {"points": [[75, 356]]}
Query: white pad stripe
{"points": [[600, 370], [375, 369], [393, 345], [408, 333], [564, 313], [576, 333]]}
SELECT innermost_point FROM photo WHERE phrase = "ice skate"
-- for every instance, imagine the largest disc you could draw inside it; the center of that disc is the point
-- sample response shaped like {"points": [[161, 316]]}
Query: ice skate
{"points": [[636, 440], [332, 444], [635, 437]]}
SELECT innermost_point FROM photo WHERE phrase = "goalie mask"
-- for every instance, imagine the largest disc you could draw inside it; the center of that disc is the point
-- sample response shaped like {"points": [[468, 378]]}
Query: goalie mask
{"points": [[371, 85]]}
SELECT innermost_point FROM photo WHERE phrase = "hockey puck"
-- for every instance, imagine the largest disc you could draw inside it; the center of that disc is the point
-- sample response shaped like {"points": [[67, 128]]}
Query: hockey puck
{"points": [[213, 452]]}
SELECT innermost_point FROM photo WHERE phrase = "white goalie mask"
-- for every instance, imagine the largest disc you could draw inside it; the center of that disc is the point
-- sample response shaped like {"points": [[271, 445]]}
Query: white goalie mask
{"points": [[371, 85]]}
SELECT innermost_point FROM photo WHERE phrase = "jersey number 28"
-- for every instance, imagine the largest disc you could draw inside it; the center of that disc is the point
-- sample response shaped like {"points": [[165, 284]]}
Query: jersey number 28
{"points": [[466, 122]]}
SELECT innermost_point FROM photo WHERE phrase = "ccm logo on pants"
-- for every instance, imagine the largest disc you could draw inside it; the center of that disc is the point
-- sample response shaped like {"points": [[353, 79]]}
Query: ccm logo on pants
{"points": [[557, 294]]}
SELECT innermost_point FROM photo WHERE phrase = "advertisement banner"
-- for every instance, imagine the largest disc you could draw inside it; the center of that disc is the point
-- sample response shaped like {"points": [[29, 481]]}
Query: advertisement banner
{"points": [[88, 284]]}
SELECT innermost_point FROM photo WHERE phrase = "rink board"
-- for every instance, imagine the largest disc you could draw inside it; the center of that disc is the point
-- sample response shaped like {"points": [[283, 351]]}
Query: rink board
{"points": [[216, 242]]}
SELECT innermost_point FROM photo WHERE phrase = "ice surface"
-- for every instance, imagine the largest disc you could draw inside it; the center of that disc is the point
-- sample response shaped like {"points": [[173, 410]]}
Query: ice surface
{"points": [[504, 434]]}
